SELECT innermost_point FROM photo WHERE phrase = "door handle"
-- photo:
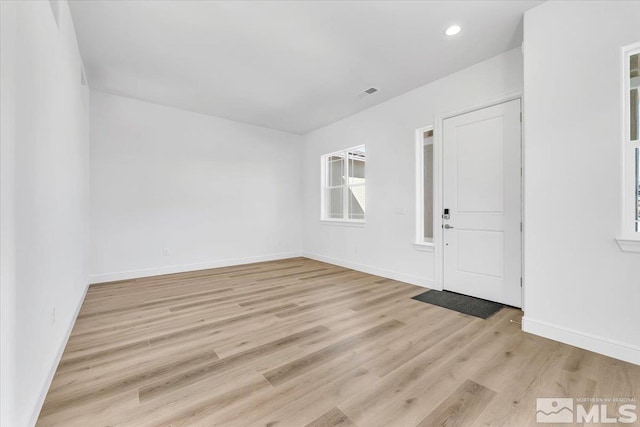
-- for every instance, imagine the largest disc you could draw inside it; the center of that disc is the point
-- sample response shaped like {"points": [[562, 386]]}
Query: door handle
{"points": [[447, 226]]}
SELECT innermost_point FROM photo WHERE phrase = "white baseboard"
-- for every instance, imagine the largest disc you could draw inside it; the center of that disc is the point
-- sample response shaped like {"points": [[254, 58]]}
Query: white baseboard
{"points": [[135, 274], [407, 278], [612, 348], [45, 388]]}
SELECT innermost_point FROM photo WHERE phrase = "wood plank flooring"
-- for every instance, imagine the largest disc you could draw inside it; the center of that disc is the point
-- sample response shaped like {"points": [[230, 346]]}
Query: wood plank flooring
{"points": [[302, 343]]}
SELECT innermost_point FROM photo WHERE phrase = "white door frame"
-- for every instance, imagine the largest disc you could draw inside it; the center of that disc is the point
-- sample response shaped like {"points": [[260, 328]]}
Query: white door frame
{"points": [[438, 177]]}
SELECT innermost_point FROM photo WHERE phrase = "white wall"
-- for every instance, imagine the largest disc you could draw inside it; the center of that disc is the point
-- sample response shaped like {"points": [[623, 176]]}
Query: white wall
{"points": [[7, 216], [212, 191], [579, 287], [384, 245], [44, 215]]}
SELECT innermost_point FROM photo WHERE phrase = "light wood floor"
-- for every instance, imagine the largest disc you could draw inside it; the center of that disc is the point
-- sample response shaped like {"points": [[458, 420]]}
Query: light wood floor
{"points": [[299, 342]]}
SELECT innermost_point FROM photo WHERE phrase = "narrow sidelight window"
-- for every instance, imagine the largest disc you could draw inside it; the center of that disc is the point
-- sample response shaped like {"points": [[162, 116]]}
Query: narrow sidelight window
{"points": [[427, 174], [424, 186], [634, 99], [632, 139]]}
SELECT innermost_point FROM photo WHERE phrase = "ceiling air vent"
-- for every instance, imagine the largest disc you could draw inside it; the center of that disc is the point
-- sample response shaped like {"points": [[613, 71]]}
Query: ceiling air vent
{"points": [[371, 90]]}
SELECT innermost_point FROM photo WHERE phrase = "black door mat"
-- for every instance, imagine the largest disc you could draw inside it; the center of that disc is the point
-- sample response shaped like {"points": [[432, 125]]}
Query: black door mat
{"points": [[462, 303]]}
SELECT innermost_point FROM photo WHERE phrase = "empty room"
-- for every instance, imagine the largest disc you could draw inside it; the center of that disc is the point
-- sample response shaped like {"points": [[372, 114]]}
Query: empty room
{"points": [[319, 213]]}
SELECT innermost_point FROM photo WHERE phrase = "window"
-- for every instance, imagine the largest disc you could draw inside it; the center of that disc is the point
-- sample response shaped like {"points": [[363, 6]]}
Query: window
{"points": [[427, 189], [632, 141], [343, 185], [425, 176]]}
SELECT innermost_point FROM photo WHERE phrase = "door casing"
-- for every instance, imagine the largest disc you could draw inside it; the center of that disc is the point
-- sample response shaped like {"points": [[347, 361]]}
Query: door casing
{"points": [[438, 240]]}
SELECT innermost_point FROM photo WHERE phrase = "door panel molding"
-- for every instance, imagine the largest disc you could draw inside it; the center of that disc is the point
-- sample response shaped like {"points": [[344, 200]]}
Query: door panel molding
{"points": [[437, 176], [438, 125]]}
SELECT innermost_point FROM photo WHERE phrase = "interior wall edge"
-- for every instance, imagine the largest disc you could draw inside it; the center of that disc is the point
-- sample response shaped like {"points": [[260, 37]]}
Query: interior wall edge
{"points": [[597, 344], [389, 274], [182, 268], [54, 366]]}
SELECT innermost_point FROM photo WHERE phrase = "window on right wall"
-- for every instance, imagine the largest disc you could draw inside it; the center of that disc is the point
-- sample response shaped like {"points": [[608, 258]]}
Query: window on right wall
{"points": [[632, 141]]}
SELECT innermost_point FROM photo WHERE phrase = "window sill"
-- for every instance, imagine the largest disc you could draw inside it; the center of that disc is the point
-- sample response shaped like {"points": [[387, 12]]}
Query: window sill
{"points": [[629, 245], [343, 223], [424, 246]]}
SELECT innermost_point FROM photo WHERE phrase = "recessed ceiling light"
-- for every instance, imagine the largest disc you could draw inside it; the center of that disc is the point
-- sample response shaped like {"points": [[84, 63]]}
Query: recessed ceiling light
{"points": [[452, 30]]}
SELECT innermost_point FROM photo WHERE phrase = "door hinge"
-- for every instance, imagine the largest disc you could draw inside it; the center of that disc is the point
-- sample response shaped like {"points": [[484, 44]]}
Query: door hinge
{"points": [[521, 227], [521, 282], [520, 117]]}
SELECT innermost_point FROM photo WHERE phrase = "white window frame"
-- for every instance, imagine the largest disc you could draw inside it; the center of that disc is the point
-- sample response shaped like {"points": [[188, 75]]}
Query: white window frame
{"points": [[629, 240], [420, 243], [345, 194]]}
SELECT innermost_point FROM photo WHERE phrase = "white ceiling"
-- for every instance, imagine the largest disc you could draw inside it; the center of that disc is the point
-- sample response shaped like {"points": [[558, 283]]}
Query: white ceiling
{"points": [[287, 65]]}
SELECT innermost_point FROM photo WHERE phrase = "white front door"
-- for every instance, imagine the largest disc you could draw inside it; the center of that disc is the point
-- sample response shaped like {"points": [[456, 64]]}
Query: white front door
{"points": [[482, 192]]}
